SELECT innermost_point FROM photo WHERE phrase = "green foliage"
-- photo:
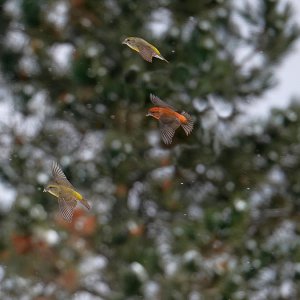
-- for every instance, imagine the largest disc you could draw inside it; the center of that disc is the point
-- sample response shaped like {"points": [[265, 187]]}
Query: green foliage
{"points": [[212, 216]]}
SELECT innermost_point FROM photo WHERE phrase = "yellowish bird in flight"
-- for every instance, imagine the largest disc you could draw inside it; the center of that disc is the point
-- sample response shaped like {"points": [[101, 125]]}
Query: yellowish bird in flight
{"points": [[66, 194], [145, 49]]}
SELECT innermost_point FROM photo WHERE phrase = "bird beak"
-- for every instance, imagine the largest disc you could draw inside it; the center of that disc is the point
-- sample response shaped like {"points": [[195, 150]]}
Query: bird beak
{"points": [[148, 115], [124, 43], [44, 191]]}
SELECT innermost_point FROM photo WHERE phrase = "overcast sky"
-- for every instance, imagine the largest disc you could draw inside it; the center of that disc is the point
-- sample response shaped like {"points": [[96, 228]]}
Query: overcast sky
{"points": [[287, 75]]}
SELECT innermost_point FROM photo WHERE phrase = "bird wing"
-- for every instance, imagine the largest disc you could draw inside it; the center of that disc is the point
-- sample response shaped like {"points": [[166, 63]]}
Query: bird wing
{"points": [[155, 51], [167, 126], [59, 176], [146, 52], [158, 102], [188, 127], [66, 206]]}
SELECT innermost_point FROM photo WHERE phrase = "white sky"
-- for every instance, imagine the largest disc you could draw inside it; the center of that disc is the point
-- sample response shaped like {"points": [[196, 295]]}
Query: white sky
{"points": [[288, 78]]}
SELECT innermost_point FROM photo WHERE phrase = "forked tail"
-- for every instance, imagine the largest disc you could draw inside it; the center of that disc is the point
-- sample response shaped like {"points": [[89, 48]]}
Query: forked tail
{"points": [[189, 125]]}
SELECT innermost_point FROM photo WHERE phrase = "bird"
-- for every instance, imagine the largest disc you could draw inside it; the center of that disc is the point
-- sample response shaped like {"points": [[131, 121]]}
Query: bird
{"points": [[169, 120], [65, 192], [145, 49]]}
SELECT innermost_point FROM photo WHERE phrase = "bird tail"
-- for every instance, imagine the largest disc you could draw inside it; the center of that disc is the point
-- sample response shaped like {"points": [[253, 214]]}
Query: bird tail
{"points": [[160, 57], [85, 203], [189, 125]]}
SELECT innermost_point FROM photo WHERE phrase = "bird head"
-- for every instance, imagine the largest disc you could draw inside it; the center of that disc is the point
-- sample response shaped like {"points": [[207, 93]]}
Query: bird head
{"points": [[131, 42], [127, 41], [153, 112], [52, 189]]}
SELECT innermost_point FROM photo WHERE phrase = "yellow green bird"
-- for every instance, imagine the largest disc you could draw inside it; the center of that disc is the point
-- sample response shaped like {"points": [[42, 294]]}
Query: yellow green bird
{"points": [[145, 49], [66, 194]]}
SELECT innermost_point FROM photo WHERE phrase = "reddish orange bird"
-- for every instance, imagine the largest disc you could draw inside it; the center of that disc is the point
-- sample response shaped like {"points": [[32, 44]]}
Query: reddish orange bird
{"points": [[169, 120]]}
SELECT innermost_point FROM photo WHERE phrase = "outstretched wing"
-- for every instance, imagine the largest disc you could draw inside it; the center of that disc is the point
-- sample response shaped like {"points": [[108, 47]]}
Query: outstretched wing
{"points": [[167, 126], [66, 207], [59, 176], [158, 102]]}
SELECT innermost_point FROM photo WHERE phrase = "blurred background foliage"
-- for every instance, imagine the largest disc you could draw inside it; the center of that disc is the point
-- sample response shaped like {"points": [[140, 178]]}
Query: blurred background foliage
{"points": [[212, 216]]}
